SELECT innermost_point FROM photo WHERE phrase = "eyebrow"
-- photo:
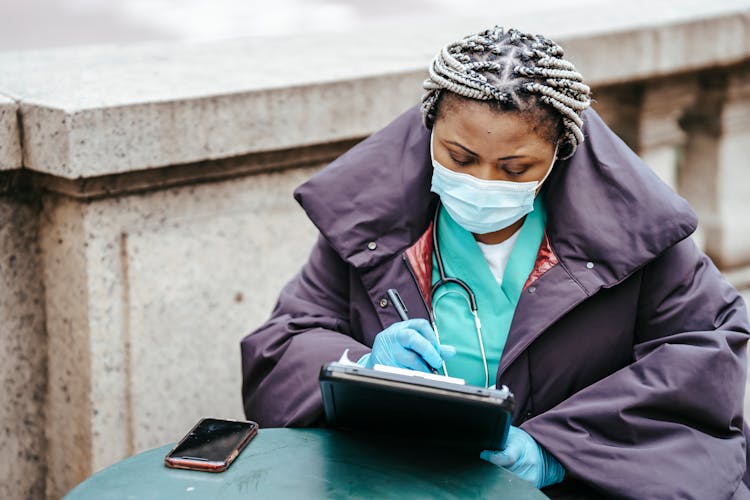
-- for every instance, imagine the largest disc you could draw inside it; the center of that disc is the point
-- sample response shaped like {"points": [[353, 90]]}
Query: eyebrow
{"points": [[512, 157]]}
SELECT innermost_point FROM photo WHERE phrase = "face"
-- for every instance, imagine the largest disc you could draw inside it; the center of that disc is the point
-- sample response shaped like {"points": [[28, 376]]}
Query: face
{"points": [[473, 139]]}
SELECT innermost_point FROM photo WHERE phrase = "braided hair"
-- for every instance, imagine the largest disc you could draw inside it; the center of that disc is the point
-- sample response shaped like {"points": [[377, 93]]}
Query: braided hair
{"points": [[511, 71]]}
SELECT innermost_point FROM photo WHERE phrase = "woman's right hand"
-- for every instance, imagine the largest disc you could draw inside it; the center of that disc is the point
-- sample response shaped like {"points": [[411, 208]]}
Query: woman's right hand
{"points": [[408, 344]]}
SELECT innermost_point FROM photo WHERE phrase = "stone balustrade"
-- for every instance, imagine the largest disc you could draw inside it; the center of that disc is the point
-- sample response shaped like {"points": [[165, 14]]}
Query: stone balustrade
{"points": [[146, 218]]}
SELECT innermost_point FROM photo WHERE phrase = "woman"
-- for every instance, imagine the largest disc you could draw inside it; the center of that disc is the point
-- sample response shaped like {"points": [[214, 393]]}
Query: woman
{"points": [[623, 345]]}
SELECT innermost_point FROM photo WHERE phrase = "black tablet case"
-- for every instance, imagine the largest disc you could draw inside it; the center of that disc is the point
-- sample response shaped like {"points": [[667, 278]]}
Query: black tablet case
{"points": [[442, 413]]}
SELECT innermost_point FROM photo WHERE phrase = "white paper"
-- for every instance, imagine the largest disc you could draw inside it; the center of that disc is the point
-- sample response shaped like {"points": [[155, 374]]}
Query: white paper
{"points": [[344, 359], [415, 373]]}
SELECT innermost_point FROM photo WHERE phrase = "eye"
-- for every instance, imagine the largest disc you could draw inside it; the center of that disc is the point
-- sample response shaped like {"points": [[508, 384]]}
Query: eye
{"points": [[515, 170], [461, 162]]}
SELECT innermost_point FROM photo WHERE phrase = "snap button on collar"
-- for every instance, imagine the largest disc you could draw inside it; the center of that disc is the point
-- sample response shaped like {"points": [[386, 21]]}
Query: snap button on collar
{"points": [[372, 245]]}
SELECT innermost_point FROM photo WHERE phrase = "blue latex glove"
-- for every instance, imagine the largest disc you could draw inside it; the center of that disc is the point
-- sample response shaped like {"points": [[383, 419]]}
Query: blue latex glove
{"points": [[525, 458], [408, 344]]}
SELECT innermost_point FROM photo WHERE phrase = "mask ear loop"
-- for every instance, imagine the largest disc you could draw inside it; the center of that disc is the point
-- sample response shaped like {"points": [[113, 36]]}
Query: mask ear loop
{"points": [[549, 170]]}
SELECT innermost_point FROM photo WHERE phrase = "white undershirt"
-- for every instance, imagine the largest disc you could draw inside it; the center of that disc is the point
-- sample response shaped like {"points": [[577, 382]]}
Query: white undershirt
{"points": [[497, 255]]}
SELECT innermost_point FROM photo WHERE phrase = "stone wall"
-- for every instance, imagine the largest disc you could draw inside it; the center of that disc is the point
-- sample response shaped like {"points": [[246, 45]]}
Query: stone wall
{"points": [[148, 295], [147, 223], [23, 346], [23, 353]]}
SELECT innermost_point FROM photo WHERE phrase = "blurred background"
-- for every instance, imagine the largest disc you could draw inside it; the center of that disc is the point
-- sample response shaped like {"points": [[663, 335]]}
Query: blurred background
{"points": [[30, 24], [149, 150]]}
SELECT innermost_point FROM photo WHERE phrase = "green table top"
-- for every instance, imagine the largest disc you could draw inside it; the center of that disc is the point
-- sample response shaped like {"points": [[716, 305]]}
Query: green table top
{"points": [[311, 463]]}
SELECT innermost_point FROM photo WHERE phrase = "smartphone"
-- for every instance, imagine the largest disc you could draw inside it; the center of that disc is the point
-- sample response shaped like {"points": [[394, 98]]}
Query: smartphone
{"points": [[211, 445]]}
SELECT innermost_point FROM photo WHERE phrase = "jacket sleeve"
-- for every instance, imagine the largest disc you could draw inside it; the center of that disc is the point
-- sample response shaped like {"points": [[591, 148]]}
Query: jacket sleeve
{"points": [[309, 326], [670, 424]]}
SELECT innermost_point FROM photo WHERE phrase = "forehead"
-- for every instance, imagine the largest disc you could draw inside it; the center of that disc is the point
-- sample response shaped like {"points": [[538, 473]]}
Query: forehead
{"points": [[472, 122]]}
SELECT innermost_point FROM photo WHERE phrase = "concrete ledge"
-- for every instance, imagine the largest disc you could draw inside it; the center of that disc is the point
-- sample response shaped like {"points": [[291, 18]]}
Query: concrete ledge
{"points": [[110, 140], [173, 176], [98, 111], [638, 54], [10, 140]]}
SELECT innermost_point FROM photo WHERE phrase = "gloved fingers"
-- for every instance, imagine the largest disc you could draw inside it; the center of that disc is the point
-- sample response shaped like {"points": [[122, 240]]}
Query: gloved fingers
{"points": [[524, 457], [513, 451], [365, 360], [497, 457], [519, 439], [424, 328], [412, 340], [447, 351], [411, 360]]}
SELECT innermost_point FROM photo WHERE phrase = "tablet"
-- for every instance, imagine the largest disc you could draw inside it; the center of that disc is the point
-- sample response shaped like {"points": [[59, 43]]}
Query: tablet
{"points": [[420, 407]]}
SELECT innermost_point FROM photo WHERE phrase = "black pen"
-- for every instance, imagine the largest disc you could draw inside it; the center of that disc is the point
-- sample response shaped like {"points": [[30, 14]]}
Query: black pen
{"points": [[402, 311]]}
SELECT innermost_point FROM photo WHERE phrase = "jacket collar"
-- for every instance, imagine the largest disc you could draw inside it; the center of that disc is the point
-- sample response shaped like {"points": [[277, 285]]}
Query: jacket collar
{"points": [[374, 201], [608, 214]]}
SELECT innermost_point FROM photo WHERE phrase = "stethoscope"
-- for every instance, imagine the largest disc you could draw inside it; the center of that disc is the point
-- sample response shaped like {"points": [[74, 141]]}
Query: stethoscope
{"points": [[444, 280]]}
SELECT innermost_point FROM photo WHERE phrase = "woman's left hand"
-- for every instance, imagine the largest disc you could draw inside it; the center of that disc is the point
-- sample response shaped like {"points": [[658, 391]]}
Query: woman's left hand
{"points": [[524, 457]]}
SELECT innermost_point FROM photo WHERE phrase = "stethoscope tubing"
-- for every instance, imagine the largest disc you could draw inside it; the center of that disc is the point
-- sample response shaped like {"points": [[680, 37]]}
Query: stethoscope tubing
{"points": [[444, 280]]}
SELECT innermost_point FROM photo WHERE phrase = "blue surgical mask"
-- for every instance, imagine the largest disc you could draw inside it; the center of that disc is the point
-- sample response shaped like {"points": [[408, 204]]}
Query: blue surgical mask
{"points": [[482, 206]]}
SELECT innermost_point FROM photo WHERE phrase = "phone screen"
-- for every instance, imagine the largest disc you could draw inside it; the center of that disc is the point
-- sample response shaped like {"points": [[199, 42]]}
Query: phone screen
{"points": [[214, 440]]}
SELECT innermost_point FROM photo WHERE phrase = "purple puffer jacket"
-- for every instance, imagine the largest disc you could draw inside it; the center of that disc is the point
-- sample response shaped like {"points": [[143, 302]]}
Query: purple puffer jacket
{"points": [[627, 358]]}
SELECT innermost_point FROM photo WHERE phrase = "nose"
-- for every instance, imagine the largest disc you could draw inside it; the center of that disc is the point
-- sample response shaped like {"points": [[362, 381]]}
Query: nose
{"points": [[484, 171]]}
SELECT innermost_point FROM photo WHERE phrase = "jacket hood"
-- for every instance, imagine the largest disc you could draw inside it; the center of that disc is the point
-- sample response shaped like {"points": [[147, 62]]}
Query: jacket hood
{"points": [[607, 211]]}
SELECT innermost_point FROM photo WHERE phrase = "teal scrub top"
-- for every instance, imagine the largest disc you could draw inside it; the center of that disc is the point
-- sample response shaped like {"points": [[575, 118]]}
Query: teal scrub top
{"points": [[496, 304]]}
